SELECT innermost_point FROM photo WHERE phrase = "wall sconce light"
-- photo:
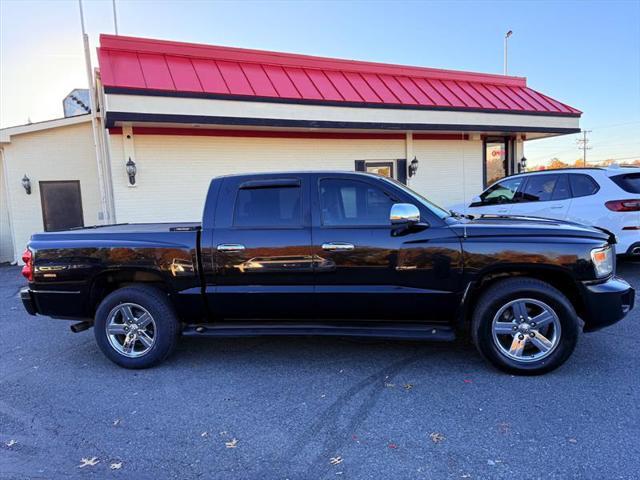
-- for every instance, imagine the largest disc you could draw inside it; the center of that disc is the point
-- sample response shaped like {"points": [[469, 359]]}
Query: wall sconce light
{"points": [[26, 184], [523, 164], [413, 167], [131, 171]]}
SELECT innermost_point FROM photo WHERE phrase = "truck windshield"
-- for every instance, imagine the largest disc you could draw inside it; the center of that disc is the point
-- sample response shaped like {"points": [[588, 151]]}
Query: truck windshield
{"points": [[437, 210]]}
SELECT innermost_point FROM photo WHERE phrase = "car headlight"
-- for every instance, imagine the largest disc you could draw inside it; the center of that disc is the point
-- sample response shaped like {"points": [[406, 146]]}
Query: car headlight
{"points": [[602, 259]]}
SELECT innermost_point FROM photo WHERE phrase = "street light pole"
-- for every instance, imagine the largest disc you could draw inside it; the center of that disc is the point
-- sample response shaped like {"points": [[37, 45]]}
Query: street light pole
{"points": [[506, 41]]}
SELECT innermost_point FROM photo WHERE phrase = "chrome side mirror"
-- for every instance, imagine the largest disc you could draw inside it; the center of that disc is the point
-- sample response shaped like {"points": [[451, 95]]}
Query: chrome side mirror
{"points": [[404, 214]]}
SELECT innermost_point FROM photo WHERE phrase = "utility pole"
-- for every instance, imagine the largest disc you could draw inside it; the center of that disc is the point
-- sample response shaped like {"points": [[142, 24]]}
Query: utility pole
{"points": [[583, 145], [506, 41], [115, 16]]}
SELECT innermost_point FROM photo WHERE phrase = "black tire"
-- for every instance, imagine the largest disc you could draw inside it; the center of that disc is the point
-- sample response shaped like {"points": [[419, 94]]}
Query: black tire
{"points": [[166, 332], [505, 291]]}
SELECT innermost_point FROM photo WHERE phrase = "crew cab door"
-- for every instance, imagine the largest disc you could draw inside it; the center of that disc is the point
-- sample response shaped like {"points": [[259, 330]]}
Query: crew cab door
{"points": [[262, 248], [364, 269]]}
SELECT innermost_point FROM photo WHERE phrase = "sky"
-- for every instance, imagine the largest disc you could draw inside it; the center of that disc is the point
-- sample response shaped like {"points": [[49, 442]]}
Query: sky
{"points": [[583, 53]]}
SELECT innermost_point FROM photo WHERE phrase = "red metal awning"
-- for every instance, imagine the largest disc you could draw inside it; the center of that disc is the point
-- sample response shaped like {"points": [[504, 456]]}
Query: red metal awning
{"points": [[139, 65]]}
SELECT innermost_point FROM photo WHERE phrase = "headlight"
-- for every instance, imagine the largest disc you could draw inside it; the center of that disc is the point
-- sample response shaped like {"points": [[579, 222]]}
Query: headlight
{"points": [[602, 259]]}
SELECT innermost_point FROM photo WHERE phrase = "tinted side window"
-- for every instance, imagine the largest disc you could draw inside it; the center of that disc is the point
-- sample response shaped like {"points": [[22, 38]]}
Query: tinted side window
{"points": [[350, 202], [268, 207], [583, 185], [501, 192], [539, 188], [629, 182], [561, 190]]}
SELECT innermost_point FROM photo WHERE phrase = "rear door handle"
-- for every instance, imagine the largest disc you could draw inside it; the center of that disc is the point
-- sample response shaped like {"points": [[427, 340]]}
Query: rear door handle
{"points": [[337, 246], [557, 207], [503, 210], [230, 247]]}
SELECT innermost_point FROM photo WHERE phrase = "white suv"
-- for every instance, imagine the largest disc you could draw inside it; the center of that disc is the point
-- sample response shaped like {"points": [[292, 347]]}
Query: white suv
{"points": [[604, 197]]}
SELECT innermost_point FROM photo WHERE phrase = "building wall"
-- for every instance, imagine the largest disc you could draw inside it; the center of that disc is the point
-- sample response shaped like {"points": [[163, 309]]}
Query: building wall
{"points": [[174, 171], [6, 242], [64, 153]]}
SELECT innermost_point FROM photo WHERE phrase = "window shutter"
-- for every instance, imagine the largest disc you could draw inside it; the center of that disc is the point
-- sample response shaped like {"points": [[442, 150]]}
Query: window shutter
{"points": [[401, 164], [359, 165]]}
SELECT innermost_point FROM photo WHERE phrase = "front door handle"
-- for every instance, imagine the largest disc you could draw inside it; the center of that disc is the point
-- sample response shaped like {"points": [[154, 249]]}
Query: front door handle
{"points": [[338, 246], [230, 247], [557, 207], [503, 210]]}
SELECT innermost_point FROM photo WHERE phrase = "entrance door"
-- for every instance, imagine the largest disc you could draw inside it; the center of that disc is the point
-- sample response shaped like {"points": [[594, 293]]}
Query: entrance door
{"points": [[61, 205]]}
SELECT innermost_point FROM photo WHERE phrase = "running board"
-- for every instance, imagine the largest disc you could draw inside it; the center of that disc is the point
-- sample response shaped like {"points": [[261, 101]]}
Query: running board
{"points": [[404, 331]]}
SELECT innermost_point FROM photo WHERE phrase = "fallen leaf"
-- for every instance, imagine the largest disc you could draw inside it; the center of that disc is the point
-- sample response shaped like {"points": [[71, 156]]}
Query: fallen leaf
{"points": [[572, 440], [467, 380], [115, 466], [335, 460], [393, 445], [491, 462], [408, 386], [437, 437], [116, 422], [389, 385], [504, 427], [204, 434], [11, 443], [88, 462], [232, 444]]}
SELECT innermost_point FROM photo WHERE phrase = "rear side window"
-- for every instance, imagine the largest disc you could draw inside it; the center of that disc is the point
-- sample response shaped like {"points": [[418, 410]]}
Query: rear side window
{"points": [[583, 185], [629, 182], [542, 188], [268, 207]]}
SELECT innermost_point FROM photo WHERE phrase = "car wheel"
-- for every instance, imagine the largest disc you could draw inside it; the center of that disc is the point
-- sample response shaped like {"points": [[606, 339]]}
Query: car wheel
{"points": [[525, 326], [136, 326]]}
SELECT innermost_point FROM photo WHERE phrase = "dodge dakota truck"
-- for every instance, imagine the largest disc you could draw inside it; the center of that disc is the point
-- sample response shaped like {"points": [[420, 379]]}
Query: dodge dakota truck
{"points": [[331, 253]]}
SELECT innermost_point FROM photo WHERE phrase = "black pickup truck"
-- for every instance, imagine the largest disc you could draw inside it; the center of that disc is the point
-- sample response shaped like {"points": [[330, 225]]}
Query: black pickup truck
{"points": [[331, 253]]}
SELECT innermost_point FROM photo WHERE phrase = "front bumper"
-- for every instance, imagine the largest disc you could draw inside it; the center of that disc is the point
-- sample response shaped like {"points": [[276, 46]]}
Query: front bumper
{"points": [[607, 303]]}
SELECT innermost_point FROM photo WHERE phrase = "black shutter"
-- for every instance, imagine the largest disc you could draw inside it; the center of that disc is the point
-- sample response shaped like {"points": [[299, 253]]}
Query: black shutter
{"points": [[359, 165], [402, 170]]}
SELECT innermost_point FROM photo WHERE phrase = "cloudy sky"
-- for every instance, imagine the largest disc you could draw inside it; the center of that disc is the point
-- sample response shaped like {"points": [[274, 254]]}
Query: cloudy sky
{"points": [[584, 53]]}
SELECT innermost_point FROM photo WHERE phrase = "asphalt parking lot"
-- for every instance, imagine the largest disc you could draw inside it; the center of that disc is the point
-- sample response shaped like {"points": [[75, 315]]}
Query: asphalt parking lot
{"points": [[311, 408]]}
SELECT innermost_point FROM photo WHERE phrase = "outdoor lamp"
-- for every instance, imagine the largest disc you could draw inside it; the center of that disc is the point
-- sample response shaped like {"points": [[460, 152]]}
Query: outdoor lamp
{"points": [[26, 184], [413, 167], [131, 171], [523, 164]]}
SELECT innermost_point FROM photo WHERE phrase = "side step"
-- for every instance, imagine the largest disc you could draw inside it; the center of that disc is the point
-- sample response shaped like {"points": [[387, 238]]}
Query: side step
{"points": [[404, 331]]}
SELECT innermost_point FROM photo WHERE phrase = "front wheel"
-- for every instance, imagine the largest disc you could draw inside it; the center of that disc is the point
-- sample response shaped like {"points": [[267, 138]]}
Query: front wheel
{"points": [[525, 326], [136, 326]]}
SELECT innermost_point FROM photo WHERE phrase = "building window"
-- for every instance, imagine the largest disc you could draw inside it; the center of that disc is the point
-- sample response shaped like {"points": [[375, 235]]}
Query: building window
{"points": [[396, 169], [498, 159]]}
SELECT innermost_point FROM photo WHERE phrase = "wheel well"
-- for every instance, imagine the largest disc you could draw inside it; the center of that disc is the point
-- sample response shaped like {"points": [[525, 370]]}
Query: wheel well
{"points": [[108, 282], [556, 278]]}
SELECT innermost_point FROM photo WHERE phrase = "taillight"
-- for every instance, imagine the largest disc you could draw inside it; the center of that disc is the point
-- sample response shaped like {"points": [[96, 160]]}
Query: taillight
{"points": [[623, 205], [27, 270]]}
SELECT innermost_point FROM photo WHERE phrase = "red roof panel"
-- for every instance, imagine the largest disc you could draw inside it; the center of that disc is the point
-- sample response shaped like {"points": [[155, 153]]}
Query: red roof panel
{"points": [[209, 76], [139, 64]]}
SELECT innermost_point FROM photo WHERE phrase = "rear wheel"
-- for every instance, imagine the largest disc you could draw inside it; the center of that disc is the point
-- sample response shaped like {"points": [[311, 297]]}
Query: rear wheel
{"points": [[525, 326], [136, 326]]}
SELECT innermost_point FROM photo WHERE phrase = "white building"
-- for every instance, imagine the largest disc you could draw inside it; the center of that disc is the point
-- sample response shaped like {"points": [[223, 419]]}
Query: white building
{"points": [[184, 113]]}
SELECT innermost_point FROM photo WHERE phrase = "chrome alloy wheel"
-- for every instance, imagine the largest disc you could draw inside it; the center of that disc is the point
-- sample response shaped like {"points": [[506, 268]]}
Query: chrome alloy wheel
{"points": [[131, 330], [526, 330]]}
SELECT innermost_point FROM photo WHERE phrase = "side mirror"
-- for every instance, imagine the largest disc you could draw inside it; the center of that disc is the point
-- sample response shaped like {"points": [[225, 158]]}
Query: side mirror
{"points": [[404, 214], [476, 199]]}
